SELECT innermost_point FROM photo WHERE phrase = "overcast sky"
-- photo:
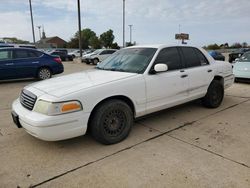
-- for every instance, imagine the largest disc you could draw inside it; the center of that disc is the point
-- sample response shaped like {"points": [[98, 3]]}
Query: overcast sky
{"points": [[154, 21]]}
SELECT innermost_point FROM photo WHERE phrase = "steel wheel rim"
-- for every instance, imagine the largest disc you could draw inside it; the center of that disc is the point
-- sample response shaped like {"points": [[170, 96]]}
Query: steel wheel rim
{"points": [[44, 74], [114, 123], [216, 96]]}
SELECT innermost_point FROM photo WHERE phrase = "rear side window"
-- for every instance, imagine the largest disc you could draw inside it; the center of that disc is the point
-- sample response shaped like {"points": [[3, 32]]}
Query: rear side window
{"points": [[35, 54], [104, 52], [202, 58], [21, 54], [170, 57], [190, 57], [110, 51], [5, 55]]}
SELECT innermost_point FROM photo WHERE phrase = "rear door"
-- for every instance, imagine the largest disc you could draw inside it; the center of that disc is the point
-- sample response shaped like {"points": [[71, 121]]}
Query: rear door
{"points": [[198, 70], [169, 88], [26, 63]]}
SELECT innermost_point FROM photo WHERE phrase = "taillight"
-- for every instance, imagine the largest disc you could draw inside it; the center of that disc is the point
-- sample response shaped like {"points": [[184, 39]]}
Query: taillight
{"points": [[58, 60]]}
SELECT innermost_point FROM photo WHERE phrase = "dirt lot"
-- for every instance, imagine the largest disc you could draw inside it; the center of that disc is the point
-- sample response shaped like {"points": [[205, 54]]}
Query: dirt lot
{"points": [[186, 146]]}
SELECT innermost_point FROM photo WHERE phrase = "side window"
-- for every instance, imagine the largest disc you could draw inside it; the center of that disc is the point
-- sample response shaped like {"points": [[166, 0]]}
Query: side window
{"points": [[170, 57], [110, 51], [32, 54], [103, 52], [190, 56], [202, 58], [38, 54], [21, 54], [5, 55]]}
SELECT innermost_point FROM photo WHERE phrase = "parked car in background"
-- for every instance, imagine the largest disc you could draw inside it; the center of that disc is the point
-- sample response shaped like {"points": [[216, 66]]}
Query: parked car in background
{"points": [[98, 56], [217, 55], [75, 53], [237, 53], [63, 54], [131, 83], [241, 68], [18, 63]]}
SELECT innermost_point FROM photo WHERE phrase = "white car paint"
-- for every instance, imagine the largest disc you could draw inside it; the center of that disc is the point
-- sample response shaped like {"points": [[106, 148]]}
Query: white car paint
{"points": [[148, 93], [100, 55]]}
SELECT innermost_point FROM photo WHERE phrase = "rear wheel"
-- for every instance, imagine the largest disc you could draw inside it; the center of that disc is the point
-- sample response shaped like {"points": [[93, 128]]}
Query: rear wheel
{"points": [[215, 95], [44, 73], [95, 61], [112, 122]]}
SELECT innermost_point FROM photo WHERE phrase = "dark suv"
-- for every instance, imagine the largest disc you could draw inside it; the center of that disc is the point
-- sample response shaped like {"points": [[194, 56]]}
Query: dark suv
{"points": [[63, 54], [237, 53], [27, 63]]}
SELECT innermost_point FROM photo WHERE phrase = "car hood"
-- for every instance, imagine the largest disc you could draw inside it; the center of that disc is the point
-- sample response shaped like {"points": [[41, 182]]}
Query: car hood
{"points": [[243, 66], [63, 85]]}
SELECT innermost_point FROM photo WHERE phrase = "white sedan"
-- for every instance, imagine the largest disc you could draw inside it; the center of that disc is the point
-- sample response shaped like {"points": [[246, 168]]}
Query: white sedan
{"points": [[129, 84]]}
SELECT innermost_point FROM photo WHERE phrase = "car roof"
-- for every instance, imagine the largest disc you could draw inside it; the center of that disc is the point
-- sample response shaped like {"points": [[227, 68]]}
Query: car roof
{"points": [[19, 48], [159, 46]]}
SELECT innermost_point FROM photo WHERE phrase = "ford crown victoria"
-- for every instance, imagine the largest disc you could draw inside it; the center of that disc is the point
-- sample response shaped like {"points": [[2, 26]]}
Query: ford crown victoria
{"points": [[131, 83]]}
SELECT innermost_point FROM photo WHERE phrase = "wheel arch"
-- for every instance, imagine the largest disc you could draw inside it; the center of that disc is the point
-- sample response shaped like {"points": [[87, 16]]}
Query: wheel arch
{"points": [[123, 98], [219, 78], [44, 66]]}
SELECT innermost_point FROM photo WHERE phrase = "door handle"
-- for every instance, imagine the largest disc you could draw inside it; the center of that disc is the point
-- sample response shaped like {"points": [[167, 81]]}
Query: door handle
{"points": [[182, 70], [209, 70], [8, 64], [184, 76]]}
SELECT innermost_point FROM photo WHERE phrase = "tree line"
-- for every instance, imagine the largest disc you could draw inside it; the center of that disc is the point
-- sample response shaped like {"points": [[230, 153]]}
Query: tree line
{"points": [[91, 40], [226, 46]]}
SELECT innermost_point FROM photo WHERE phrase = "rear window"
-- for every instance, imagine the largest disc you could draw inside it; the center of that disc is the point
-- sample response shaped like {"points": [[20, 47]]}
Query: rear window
{"points": [[35, 54], [21, 54], [191, 57]]}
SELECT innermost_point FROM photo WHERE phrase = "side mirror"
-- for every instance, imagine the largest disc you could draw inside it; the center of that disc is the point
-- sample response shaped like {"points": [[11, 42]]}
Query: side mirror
{"points": [[161, 68], [237, 59]]}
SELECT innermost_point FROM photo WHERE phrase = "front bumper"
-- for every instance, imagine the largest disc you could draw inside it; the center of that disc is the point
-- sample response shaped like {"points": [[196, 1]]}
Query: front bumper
{"points": [[242, 74], [51, 128]]}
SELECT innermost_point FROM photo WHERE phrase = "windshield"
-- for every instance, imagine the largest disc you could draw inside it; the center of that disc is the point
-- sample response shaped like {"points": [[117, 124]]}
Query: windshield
{"points": [[245, 57], [134, 60]]}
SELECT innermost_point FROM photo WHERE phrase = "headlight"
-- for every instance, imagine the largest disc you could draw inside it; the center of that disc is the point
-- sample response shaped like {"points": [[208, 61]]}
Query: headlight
{"points": [[57, 108]]}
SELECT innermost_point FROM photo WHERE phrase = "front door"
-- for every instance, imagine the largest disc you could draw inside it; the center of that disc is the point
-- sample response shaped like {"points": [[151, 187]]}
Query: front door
{"points": [[168, 88], [7, 70]]}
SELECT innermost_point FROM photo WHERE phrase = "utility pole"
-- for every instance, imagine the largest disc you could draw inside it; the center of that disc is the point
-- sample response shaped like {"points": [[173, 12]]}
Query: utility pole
{"points": [[130, 29], [123, 23], [79, 25], [32, 24], [39, 28]]}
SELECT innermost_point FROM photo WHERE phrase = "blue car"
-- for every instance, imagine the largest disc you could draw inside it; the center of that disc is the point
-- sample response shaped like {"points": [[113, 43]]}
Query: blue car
{"points": [[217, 55], [18, 63]]}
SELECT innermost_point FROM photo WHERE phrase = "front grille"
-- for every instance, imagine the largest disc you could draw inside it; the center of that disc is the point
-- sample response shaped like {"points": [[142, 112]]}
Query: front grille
{"points": [[28, 99]]}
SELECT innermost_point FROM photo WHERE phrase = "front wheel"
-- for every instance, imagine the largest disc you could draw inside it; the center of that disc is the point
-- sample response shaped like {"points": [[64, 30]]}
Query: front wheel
{"points": [[215, 95], [44, 73], [111, 122]]}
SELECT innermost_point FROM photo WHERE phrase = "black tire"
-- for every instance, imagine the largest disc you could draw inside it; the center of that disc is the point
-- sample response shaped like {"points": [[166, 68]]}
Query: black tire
{"points": [[215, 95], [44, 73], [95, 61], [87, 62], [111, 122]]}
